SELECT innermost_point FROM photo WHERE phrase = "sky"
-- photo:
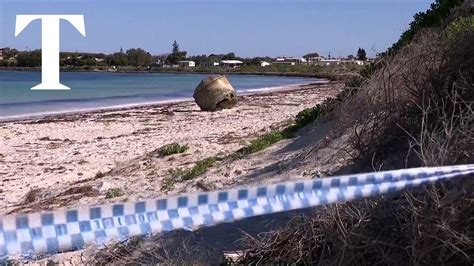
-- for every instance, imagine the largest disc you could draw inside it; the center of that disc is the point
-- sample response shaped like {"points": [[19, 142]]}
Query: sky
{"points": [[247, 28]]}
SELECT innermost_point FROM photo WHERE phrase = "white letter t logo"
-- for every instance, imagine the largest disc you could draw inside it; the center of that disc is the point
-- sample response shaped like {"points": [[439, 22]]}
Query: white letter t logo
{"points": [[50, 45]]}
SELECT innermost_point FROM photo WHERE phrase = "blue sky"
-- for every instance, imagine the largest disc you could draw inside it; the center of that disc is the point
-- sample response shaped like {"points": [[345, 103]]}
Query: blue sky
{"points": [[248, 28]]}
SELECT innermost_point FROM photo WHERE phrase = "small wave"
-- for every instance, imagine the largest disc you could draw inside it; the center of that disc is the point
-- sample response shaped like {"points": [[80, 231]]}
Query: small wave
{"points": [[119, 106], [36, 115]]}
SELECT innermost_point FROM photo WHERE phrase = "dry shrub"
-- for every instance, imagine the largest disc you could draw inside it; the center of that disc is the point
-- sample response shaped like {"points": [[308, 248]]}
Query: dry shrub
{"points": [[424, 228], [417, 109]]}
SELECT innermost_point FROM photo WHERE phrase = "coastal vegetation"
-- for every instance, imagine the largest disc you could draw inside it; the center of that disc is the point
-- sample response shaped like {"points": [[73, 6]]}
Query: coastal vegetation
{"points": [[113, 193], [168, 183], [433, 17], [199, 168], [176, 55], [173, 148], [261, 143], [361, 54], [302, 119]]}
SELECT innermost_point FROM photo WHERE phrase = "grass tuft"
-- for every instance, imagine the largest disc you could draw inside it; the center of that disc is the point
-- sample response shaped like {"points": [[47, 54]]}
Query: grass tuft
{"points": [[173, 148], [199, 168], [262, 143], [113, 193], [167, 184]]}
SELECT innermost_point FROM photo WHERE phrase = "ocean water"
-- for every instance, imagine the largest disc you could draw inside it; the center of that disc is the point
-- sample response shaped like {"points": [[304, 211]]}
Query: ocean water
{"points": [[98, 90]]}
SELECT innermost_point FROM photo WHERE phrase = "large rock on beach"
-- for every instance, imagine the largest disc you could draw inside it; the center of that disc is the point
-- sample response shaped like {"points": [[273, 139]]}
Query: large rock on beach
{"points": [[215, 93]]}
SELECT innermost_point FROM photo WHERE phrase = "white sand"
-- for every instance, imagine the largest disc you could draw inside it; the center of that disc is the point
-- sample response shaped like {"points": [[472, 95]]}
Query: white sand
{"points": [[46, 158]]}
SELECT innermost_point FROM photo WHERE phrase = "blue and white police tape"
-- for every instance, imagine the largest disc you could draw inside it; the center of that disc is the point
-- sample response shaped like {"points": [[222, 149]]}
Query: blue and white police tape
{"points": [[72, 229]]}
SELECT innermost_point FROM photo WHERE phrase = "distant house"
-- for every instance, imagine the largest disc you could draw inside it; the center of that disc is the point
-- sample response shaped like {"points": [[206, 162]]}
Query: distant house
{"points": [[330, 62], [187, 64], [264, 64], [290, 61], [157, 63], [314, 60], [231, 63], [282, 61], [353, 61], [1, 53]]}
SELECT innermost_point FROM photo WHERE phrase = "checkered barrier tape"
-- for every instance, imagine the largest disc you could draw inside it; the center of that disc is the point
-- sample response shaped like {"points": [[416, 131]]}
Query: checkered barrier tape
{"points": [[33, 234]]}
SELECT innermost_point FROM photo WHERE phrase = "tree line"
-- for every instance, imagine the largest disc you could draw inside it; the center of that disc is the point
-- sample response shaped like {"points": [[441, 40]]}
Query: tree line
{"points": [[136, 57]]}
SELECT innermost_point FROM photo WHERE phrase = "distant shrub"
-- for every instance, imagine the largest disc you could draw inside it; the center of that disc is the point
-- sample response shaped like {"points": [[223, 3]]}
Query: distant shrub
{"points": [[308, 115], [167, 184], [99, 174], [459, 27], [173, 148], [113, 193]]}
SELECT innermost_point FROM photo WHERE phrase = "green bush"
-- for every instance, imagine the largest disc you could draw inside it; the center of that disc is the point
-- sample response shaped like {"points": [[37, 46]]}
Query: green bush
{"points": [[262, 143], [459, 27], [433, 17], [113, 193], [199, 168], [308, 115], [167, 184], [173, 148]]}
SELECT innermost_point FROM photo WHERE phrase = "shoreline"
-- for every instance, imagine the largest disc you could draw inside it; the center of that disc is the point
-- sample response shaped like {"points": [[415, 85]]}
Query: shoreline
{"points": [[184, 71], [122, 107]]}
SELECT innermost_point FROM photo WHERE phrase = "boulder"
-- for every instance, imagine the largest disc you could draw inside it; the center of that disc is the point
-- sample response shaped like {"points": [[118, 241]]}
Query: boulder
{"points": [[215, 93]]}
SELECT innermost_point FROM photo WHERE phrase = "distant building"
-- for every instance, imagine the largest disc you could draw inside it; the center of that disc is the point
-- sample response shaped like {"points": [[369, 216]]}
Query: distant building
{"points": [[231, 63], [157, 63], [290, 61], [330, 62], [314, 60], [264, 64], [352, 61], [187, 63], [1, 53], [370, 60]]}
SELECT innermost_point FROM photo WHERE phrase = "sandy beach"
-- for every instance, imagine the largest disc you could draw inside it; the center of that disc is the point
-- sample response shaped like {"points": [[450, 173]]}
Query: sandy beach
{"points": [[74, 159]]}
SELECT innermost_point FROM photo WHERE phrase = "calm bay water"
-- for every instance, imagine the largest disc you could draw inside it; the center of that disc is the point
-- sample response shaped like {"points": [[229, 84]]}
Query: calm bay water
{"points": [[95, 90]]}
